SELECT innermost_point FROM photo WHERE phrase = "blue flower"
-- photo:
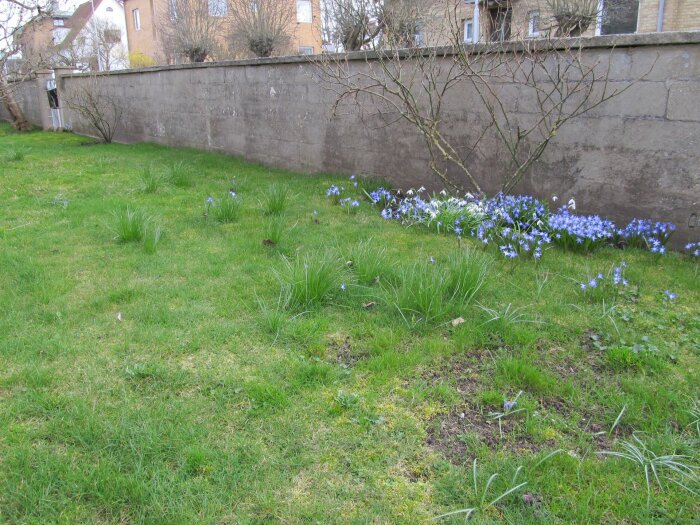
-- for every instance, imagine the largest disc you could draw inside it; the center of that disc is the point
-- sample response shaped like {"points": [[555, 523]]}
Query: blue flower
{"points": [[210, 200], [343, 286], [671, 296], [507, 405]]}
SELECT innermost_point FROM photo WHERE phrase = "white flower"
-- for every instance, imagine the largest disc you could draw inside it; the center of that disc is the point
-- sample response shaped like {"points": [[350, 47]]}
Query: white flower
{"points": [[555, 198], [421, 189], [409, 192], [572, 204], [443, 193]]}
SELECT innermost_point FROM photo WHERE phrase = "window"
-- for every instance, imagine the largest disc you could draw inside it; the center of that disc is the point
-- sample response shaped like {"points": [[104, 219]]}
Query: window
{"points": [[109, 10], [617, 17], [500, 23], [304, 11], [218, 8], [469, 31], [533, 23], [137, 19], [306, 50], [58, 22]]}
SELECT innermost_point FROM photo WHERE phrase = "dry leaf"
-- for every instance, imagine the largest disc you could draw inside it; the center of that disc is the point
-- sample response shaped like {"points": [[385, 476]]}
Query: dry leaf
{"points": [[369, 304], [458, 321], [119, 316]]}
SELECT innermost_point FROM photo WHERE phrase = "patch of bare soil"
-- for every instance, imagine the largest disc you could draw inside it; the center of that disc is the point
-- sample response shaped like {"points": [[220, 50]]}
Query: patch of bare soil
{"points": [[343, 354], [448, 433]]}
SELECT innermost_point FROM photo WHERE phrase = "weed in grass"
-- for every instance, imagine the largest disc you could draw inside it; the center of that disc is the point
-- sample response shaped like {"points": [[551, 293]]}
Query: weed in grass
{"points": [[179, 174], [694, 412], [130, 225], [273, 317], [346, 400], [673, 468], [150, 179], [429, 291], [276, 198], [60, 200], [151, 237], [486, 501], [509, 409], [16, 155], [274, 231], [311, 279], [225, 210], [371, 265], [507, 316], [265, 395]]}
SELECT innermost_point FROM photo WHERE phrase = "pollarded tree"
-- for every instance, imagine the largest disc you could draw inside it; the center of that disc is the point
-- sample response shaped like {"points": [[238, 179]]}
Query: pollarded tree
{"points": [[261, 27], [192, 28], [17, 18]]}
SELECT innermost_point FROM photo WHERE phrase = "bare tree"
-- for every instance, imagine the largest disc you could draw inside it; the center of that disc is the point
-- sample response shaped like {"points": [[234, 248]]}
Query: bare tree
{"points": [[552, 80], [351, 25], [261, 27], [575, 17], [17, 18], [94, 101], [192, 28], [98, 47]]}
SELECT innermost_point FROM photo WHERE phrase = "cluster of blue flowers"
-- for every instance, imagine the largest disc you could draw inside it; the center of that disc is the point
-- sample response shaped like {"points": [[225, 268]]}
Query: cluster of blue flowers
{"points": [[646, 234], [580, 232], [693, 248], [517, 224], [520, 225]]}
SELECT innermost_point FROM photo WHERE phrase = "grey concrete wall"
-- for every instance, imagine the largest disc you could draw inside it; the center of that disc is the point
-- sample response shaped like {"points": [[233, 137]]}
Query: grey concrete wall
{"points": [[26, 94], [636, 156]]}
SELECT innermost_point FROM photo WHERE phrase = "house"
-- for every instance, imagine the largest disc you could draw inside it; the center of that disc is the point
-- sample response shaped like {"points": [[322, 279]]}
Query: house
{"points": [[145, 20], [497, 20], [91, 38]]}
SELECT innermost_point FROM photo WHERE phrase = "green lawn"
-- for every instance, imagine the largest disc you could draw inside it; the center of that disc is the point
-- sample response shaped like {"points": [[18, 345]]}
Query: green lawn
{"points": [[172, 383]]}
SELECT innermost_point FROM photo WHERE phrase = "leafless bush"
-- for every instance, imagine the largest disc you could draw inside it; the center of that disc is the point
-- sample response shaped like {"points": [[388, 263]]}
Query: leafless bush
{"points": [[97, 105], [261, 27], [193, 27], [520, 94]]}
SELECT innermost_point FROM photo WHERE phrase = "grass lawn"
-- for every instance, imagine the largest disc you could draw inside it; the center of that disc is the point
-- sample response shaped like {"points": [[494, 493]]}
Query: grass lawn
{"points": [[181, 378]]}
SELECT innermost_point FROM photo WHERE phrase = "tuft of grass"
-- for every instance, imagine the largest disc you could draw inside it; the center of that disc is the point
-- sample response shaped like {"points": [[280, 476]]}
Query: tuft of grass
{"points": [[521, 373], [276, 198], [371, 265], [274, 230], [673, 468], [179, 174], [368, 184], [151, 237], [228, 209], [311, 279], [130, 224], [150, 180], [428, 291], [16, 155]]}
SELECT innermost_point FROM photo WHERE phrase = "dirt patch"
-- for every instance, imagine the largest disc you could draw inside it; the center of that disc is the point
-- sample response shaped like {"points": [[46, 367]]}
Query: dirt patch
{"points": [[342, 352], [454, 434]]}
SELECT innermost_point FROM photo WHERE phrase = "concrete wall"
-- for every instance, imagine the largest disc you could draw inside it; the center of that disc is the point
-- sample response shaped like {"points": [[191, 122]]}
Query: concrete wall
{"points": [[27, 95], [636, 156]]}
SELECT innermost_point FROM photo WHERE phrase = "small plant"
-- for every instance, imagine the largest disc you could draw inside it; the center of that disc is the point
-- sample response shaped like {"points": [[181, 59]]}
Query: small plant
{"points": [[224, 210], [508, 410], [130, 225], [150, 180], [580, 233], [311, 279], [179, 174], [151, 237], [16, 155], [274, 231], [346, 400], [334, 193], [507, 316], [604, 287], [369, 184], [694, 412], [369, 264], [350, 205], [60, 200], [486, 501], [275, 199], [429, 291], [273, 317], [673, 468], [647, 235]]}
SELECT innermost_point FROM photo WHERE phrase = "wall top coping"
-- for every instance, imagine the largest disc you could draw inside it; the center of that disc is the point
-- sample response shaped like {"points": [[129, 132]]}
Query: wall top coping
{"points": [[617, 41]]}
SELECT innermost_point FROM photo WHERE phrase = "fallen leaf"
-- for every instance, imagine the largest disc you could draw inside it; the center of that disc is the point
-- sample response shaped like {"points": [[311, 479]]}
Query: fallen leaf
{"points": [[458, 321], [119, 316], [268, 242], [369, 304]]}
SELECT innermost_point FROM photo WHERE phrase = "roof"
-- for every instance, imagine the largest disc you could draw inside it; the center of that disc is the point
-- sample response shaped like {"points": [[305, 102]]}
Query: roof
{"points": [[80, 17]]}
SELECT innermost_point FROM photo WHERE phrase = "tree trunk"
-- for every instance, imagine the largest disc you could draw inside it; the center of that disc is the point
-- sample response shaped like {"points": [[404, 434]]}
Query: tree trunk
{"points": [[19, 121]]}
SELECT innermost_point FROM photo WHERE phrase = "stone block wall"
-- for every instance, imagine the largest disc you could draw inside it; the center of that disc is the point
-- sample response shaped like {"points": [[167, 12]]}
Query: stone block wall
{"points": [[636, 156]]}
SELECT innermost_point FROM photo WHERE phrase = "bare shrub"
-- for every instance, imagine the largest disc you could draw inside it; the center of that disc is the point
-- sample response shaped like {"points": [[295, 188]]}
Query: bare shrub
{"points": [[192, 28], [97, 105], [261, 27]]}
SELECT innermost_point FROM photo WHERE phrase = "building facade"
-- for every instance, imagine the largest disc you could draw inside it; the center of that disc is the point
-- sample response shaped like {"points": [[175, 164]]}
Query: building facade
{"points": [[145, 18], [495, 20], [91, 38]]}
